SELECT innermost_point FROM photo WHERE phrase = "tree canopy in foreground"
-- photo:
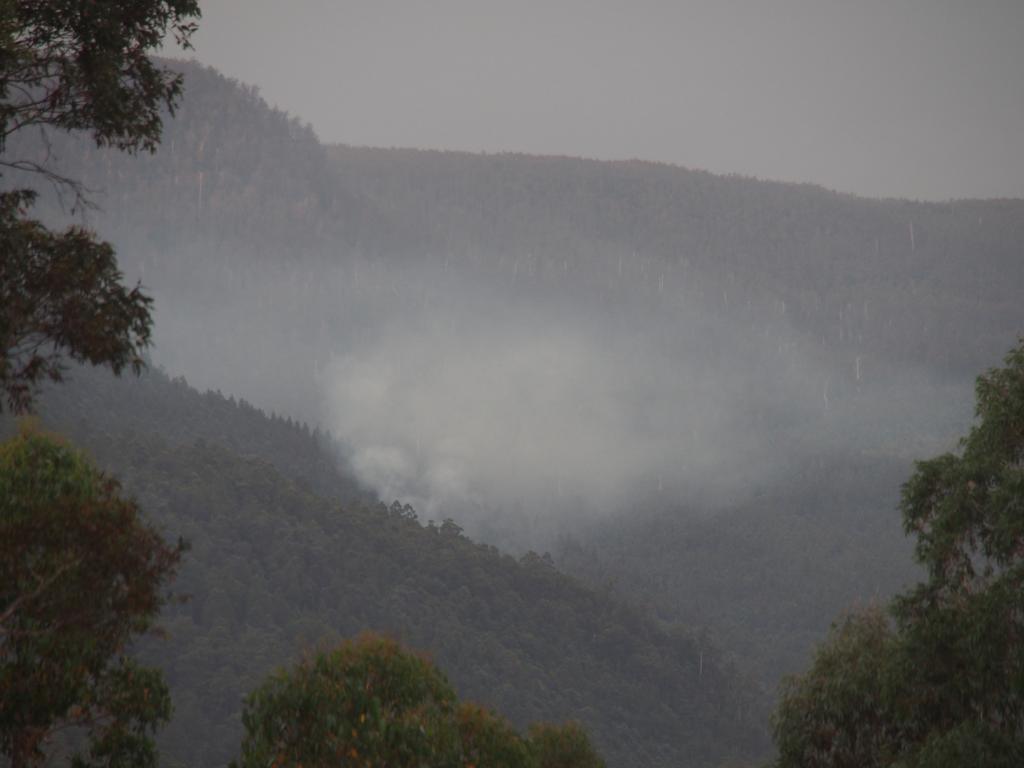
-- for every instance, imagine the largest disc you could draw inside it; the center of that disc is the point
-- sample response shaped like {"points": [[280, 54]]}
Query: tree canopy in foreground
{"points": [[68, 65], [80, 576], [61, 296], [938, 679], [370, 702]]}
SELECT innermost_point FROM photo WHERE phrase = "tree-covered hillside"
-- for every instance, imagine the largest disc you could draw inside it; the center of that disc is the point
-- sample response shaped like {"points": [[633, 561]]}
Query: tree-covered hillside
{"points": [[275, 570], [933, 283], [766, 571], [786, 351]]}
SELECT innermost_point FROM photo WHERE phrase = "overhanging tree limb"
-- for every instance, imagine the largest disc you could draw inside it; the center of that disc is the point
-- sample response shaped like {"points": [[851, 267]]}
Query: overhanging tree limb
{"points": [[69, 65]]}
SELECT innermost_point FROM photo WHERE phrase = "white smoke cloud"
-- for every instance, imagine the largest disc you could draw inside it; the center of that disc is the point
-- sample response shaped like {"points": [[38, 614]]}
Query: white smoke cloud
{"points": [[479, 403]]}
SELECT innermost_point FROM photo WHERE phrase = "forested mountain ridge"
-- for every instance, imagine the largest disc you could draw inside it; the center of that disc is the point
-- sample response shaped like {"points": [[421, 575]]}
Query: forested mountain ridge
{"points": [[844, 332], [155, 404], [274, 570], [933, 283], [226, 162]]}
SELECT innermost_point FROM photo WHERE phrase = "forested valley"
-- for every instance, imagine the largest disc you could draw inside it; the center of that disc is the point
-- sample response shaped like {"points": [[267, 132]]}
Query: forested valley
{"points": [[288, 554], [613, 442]]}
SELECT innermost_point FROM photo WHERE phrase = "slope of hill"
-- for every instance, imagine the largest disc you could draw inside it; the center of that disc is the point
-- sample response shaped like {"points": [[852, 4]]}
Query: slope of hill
{"points": [[275, 570], [155, 404], [825, 540]]}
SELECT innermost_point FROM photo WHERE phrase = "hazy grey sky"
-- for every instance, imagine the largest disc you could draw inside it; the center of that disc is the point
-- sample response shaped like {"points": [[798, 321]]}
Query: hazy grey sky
{"points": [[916, 98]]}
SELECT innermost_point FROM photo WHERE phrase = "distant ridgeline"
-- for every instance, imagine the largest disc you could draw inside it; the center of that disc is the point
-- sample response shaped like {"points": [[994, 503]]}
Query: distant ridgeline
{"points": [[277, 567], [237, 184]]}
